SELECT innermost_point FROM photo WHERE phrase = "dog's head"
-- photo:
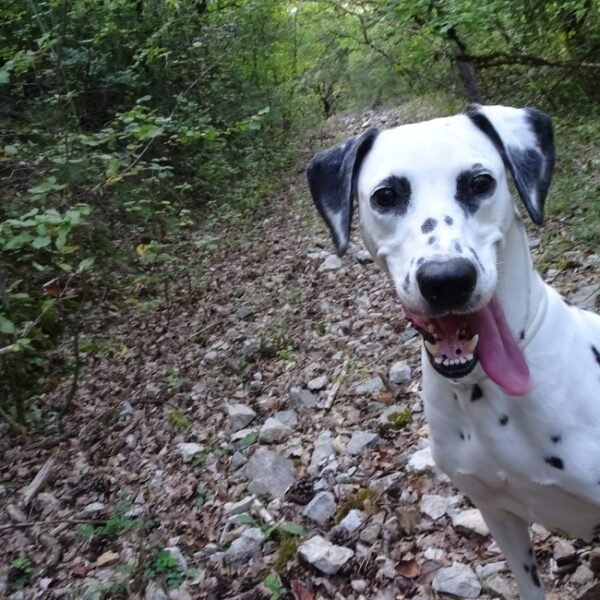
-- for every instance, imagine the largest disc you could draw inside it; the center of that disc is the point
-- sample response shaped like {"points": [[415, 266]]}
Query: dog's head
{"points": [[434, 203]]}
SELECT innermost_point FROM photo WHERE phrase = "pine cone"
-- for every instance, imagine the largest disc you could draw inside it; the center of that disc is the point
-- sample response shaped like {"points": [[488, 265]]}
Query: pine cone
{"points": [[302, 491]]}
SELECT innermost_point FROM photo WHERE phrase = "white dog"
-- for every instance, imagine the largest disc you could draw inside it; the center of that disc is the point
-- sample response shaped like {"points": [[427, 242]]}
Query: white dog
{"points": [[511, 373]]}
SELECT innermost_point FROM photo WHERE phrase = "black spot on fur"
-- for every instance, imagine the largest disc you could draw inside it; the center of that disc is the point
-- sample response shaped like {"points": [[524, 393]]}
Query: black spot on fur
{"points": [[555, 462], [530, 551], [392, 196], [534, 576], [522, 335], [462, 435], [448, 220], [431, 240], [526, 567], [596, 354], [477, 393], [503, 420], [458, 247], [406, 282], [420, 260], [555, 438], [428, 225], [466, 186]]}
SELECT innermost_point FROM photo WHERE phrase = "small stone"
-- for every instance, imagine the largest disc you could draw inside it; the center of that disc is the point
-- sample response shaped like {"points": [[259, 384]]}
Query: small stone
{"points": [[400, 372], [371, 532], [188, 450], [323, 555], [352, 521], [271, 474], [318, 383], [586, 297], [235, 508], [106, 559], [94, 507], [287, 417], [595, 561], [383, 484], [434, 506], [501, 587], [125, 410], [369, 386], [469, 520], [361, 440], [240, 416], [359, 585], [237, 460], [564, 552], [246, 546], [155, 592], [331, 263], [363, 257], [582, 575], [273, 431], [421, 461], [302, 398], [244, 312], [250, 349], [457, 580], [322, 452], [210, 358], [435, 554], [485, 571], [321, 508], [179, 594]]}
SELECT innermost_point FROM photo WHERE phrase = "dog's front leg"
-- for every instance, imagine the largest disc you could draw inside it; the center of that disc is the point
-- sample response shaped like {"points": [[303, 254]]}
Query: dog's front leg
{"points": [[512, 535]]}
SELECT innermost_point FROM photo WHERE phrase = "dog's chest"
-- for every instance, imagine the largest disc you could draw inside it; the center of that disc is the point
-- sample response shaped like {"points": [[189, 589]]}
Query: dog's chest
{"points": [[509, 454]]}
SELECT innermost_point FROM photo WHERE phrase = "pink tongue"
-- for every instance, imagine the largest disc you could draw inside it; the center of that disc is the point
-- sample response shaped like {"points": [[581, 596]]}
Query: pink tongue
{"points": [[498, 352]]}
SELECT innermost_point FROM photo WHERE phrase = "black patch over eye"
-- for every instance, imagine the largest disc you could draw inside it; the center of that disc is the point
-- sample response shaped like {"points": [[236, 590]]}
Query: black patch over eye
{"points": [[482, 184], [391, 196]]}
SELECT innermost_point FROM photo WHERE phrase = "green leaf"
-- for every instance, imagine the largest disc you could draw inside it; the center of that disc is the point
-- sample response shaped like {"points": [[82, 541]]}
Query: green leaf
{"points": [[86, 264], [244, 519], [7, 326], [18, 241], [41, 242], [249, 439], [293, 528]]}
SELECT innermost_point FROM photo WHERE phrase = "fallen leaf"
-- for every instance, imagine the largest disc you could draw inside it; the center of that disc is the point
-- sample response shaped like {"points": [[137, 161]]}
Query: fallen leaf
{"points": [[408, 568], [301, 592]]}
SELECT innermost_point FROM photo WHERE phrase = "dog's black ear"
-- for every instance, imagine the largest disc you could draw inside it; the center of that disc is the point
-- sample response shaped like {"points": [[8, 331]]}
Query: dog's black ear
{"points": [[331, 178], [524, 139]]}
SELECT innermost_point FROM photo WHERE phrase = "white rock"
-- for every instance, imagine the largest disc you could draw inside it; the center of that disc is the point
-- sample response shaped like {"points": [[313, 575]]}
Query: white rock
{"points": [[331, 263], [155, 592], [485, 571], [235, 508], [273, 431], [434, 506], [469, 520], [457, 580], [271, 474], [371, 532], [287, 417], [434, 553], [400, 372], [301, 398], [369, 386], [359, 585], [177, 556], [318, 383], [251, 348], [240, 416], [323, 555], [352, 521], [501, 587], [94, 507], [383, 484], [188, 450], [321, 508], [361, 440], [322, 452], [421, 460], [246, 546], [582, 575]]}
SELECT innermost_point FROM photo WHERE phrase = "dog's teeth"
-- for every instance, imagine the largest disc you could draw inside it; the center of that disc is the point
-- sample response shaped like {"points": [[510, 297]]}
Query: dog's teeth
{"points": [[432, 348], [468, 357], [471, 344], [438, 360]]}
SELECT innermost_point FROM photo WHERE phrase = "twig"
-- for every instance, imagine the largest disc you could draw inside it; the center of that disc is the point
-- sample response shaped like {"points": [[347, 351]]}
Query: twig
{"points": [[336, 386], [26, 524], [39, 481], [12, 423]]}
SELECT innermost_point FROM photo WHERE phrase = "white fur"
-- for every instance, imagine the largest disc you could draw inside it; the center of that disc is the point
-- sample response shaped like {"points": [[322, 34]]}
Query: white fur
{"points": [[501, 468]]}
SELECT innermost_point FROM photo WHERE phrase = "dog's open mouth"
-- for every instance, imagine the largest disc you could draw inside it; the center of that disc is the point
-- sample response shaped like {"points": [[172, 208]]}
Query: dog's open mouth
{"points": [[455, 343]]}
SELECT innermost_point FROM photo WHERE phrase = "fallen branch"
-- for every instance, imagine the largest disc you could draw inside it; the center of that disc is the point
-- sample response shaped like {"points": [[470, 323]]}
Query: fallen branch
{"points": [[12, 423], [39, 481], [336, 386], [26, 524]]}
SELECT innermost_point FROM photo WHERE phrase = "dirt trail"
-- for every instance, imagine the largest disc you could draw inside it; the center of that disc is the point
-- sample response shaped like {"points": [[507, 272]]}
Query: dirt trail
{"points": [[165, 487]]}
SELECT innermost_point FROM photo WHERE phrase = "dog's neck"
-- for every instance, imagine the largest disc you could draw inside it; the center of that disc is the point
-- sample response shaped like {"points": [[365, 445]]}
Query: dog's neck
{"points": [[520, 288]]}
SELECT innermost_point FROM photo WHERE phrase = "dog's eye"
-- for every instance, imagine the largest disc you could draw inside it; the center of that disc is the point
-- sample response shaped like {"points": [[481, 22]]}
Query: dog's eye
{"points": [[384, 198], [392, 196], [482, 184]]}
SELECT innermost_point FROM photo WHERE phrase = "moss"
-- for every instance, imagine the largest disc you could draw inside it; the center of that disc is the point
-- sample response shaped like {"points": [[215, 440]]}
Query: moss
{"points": [[360, 501], [399, 420], [287, 551]]}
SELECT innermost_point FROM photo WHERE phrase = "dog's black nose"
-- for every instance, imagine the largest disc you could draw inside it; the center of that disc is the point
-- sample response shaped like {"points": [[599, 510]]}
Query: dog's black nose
{"points": [[447, 285]]}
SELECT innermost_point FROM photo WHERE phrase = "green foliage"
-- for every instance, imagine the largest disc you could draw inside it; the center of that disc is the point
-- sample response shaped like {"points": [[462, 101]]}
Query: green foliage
{"points": [[399, 420], [361, 500], [274, 584], [164, 567], [20, 573]]}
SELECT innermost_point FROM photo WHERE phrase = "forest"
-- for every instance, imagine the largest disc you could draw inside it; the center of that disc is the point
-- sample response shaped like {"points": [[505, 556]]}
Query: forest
{"points": [[145, 146]]}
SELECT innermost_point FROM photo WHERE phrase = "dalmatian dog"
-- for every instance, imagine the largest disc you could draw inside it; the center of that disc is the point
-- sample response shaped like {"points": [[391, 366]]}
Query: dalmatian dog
{"points": [[511, 372]]}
